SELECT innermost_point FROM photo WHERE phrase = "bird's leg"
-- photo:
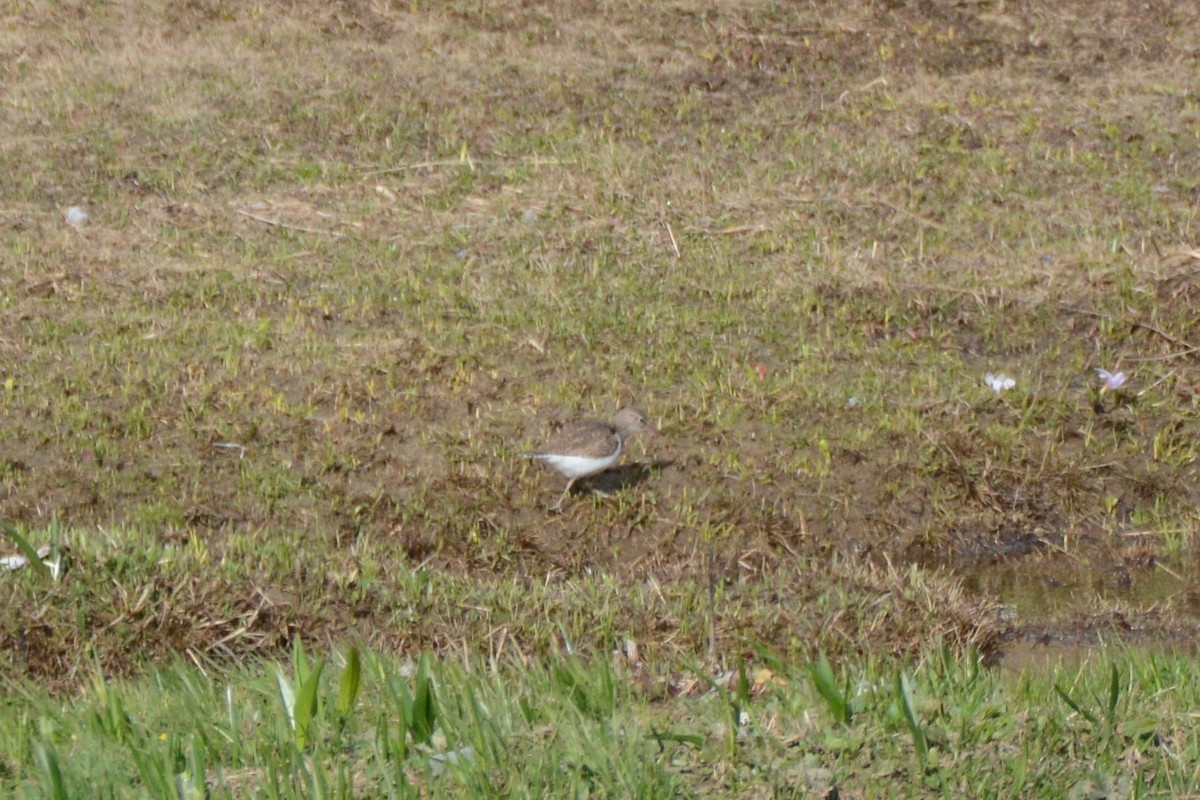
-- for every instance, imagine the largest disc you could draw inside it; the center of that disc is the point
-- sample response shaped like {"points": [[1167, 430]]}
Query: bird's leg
{"points": [[558, 506]]}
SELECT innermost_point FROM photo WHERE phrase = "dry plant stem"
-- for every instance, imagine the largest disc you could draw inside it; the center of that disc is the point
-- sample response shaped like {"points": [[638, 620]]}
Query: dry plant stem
{"points": [[458, 162], [712, 607], [276, 223]]}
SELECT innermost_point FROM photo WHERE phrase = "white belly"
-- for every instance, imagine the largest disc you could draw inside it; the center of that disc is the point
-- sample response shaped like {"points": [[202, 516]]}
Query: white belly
{"points": [[579, 466]]}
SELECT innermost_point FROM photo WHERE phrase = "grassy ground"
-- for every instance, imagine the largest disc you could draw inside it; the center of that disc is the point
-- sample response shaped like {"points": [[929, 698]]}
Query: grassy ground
{"points": [[344, 263], [937, 726]]}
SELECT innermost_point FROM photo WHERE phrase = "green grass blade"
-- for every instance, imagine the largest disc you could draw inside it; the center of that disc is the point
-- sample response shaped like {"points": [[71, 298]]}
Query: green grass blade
{"points": [[152, 769], [394, 745], [1114, 696], [306, 706], [47, 761], [287, 696], [423, 715], [904, 692], [349, 683], [590, 686], [774, 662], [27, 550], [743, 684], [826, 684], [1078, 709], [299, 663], [704, 676]]}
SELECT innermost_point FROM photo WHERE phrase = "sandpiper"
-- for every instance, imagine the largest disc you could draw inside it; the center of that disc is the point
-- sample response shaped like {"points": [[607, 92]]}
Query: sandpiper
{"points": [[588, 448]]}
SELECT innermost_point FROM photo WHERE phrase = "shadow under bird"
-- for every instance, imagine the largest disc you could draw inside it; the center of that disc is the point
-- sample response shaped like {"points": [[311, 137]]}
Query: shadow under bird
{"points": [[589, 448]]}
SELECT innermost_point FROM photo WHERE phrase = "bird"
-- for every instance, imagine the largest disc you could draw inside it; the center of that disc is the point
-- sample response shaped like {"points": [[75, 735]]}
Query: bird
{"points": [[588, 448]]}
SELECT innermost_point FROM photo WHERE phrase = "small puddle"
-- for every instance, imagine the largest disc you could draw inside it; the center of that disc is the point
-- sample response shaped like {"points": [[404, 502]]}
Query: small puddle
{"points": [[1057, 586], [1064, 609]]}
